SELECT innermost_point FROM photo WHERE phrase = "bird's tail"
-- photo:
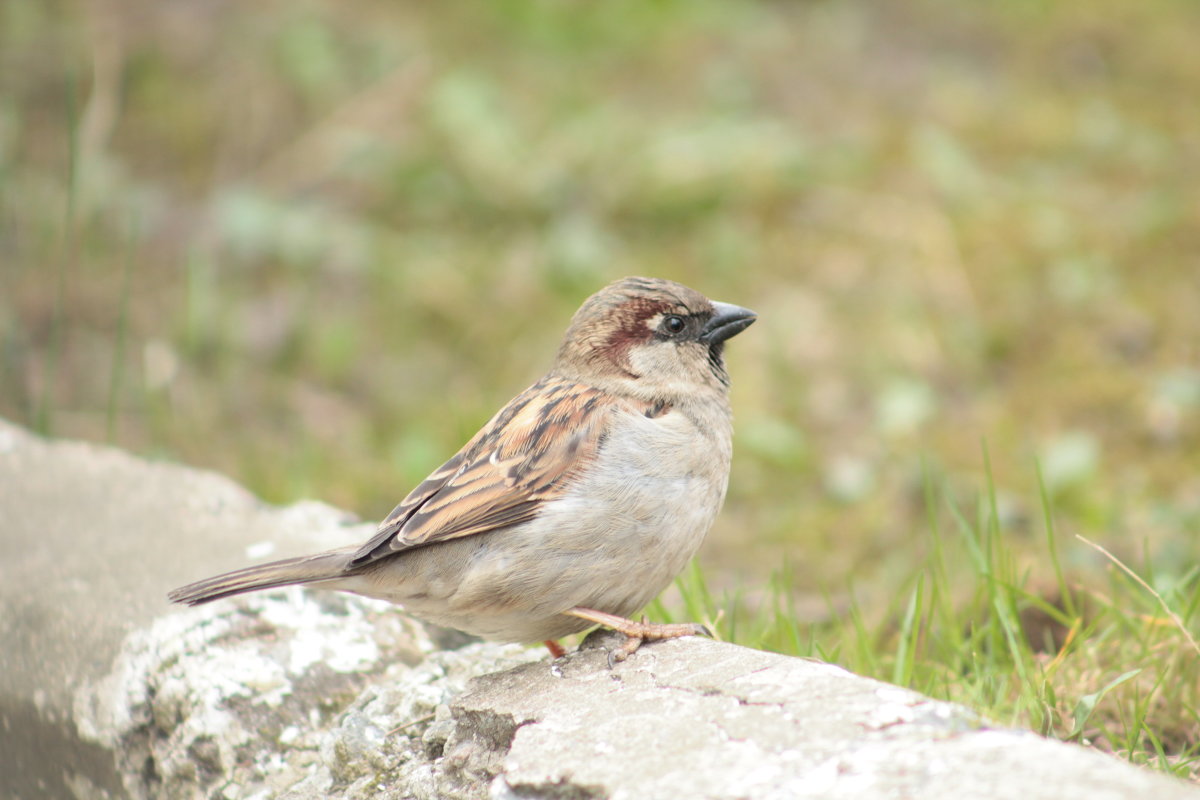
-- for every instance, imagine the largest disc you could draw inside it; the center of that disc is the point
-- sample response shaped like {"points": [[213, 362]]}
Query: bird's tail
{"points": [[306, 569]]}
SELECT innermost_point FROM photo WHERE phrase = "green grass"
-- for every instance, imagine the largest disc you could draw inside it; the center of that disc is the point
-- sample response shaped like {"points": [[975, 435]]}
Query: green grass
{"points": [[1105, 660], [315, 245]]}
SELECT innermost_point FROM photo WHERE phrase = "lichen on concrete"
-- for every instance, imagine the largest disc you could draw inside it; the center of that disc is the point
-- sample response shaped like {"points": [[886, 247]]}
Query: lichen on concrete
{"points": [[288, 694], [306, 696]]}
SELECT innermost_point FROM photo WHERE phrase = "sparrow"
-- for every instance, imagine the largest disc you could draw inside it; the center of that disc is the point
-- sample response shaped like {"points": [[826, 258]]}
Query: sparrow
{"points": [[577, 503]]}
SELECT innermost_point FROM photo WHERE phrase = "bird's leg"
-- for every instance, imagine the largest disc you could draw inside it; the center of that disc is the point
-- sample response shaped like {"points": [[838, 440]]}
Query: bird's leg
{"points": [[556, 649], [637, 632]]}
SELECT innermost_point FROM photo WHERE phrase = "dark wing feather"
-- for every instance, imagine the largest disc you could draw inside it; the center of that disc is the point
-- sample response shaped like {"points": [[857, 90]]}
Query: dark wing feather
{"points": [[526, 455]]}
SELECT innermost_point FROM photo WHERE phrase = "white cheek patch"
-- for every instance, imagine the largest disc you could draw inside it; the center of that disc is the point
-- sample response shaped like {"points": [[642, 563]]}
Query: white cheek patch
{"points": [[658, 359], [653, 322]]}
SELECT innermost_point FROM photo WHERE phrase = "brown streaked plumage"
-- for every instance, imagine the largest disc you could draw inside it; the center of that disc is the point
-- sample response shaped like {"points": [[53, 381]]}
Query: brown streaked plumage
{"points": [[522, 458], [577, 502]]}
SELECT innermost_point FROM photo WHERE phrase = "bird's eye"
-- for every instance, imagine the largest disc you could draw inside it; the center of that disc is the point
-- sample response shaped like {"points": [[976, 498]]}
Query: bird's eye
{"points": [[673, 324]]}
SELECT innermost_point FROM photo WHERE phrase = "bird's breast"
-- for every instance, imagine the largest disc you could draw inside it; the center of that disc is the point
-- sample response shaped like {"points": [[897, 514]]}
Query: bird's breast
{"points": [[654, 487]]}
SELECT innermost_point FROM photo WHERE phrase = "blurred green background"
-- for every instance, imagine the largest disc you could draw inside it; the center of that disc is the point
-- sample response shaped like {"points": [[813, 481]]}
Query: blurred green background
{"points": [[315, 245]]}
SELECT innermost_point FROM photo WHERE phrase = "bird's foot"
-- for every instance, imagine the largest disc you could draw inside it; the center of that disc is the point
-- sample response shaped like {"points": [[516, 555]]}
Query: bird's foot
{"points": [[637, 632]]}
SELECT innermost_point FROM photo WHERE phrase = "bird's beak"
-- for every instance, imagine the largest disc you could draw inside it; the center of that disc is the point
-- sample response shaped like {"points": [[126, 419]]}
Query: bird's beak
{"points": [[727, 321]]}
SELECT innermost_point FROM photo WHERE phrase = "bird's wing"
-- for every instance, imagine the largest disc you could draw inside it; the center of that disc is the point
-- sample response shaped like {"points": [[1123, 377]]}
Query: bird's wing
{"points": [[525, 456]]}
